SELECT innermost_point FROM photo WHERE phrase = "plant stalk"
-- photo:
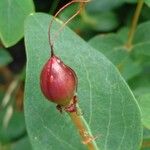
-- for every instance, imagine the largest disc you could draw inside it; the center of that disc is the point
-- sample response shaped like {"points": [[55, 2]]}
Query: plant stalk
{"points": [[51, 43], [84, 131], [134, 24]]}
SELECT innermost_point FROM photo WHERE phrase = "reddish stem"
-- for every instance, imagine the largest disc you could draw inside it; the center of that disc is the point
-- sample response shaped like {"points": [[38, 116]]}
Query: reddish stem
{"points": [[50, 25]]}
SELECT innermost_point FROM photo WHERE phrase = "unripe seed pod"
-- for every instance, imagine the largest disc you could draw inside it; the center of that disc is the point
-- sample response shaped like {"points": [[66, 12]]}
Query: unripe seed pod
{"points": [[58, 81]]}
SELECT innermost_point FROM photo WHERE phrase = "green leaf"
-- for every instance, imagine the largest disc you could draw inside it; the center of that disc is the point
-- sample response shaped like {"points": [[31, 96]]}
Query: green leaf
{"points": [[141, 84], [145, 13], [131, 1], [112, 47], [105, 21], [105, 43], [123, 34], [143, 33], [105, 5], [142, 49], [5, 57], [129, 69], [146, 133], [110, 109], [141, 44], [13, 14], [140, 52], [147, 2], [141, 87], [22, 144], [144, 102], [15, 128]]}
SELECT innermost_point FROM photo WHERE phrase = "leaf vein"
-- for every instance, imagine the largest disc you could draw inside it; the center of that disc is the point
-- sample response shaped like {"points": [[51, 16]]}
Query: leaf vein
{"points": [[109, 115], [51, 132], [90, 92]]}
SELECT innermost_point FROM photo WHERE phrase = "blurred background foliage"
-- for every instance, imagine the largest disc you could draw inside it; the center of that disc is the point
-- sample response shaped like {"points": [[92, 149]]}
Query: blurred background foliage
{"points": [[103, 24]]}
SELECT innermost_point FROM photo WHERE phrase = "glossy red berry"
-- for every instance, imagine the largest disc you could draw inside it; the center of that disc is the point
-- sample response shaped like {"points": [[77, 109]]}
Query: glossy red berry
{"points": [[58, 81]]}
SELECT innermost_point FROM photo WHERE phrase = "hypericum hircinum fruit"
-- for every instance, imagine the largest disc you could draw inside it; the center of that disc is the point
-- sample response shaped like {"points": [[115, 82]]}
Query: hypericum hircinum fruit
{"points": [[58, 81]]}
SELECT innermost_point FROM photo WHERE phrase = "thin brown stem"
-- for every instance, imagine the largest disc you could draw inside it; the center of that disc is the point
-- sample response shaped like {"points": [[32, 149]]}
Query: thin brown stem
{"points": [[84, 132], [134, 24], [64, 24], [50, 25], [146, 144]]}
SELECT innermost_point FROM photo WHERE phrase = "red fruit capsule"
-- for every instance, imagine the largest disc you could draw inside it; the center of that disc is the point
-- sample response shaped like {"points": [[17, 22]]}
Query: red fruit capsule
{"points": [[58, 81]]}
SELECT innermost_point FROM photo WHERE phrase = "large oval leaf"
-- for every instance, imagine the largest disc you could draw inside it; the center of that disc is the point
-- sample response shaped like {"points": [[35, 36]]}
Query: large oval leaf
{"points": [[12, 16], [105, 5], [109, 107], [113, 48]]}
